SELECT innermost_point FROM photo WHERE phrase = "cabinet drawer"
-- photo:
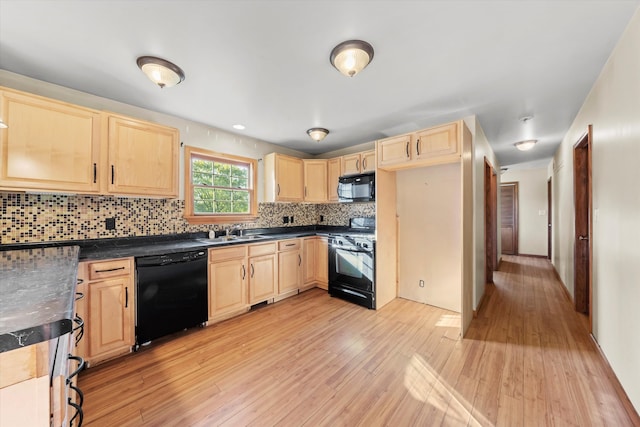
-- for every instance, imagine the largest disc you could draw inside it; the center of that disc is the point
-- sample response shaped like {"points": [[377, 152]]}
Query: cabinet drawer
{"points": [[262, 249], [289, 245], [112, 268], [231, 252]]}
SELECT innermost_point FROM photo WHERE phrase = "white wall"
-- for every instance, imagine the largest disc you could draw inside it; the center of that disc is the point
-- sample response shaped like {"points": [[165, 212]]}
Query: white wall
{"points": [[532, 209], [481, 150], [191, 133], [613, 108]]}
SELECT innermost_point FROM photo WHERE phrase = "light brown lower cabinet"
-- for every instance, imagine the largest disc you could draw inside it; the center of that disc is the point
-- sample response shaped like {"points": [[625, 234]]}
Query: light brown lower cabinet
{"points": [[107, 309], [263, 268], [315, 262], [289, 268], [227, 282]]}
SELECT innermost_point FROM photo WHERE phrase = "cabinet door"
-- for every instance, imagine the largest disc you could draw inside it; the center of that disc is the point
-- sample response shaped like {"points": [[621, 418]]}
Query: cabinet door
{"points": [[48, 145], [322, 262], [315, 181], [308, 260], [110, 324], [289, 179], [289, 271], [368, 161], [394, 150], [143, 158], [351, 164], [334, 170], [227, 287], [262, 278], [440, 141]]}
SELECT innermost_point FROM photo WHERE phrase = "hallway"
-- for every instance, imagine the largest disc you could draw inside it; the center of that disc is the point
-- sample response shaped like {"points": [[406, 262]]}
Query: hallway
{"points": [[534, 359]]}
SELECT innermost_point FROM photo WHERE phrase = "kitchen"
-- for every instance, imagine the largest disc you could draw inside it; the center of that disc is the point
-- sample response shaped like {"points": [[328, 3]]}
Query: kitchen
{"points": [[80, 217]]}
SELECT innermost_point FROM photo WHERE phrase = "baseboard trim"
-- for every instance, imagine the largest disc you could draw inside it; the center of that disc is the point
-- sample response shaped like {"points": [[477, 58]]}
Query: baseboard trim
{"points": [[622, 395], [482, 300], [533, 256], [565, 291]]}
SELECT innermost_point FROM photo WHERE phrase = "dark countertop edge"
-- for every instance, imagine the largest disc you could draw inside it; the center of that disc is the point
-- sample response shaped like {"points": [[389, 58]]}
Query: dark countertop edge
{"points": [[34, 335]]}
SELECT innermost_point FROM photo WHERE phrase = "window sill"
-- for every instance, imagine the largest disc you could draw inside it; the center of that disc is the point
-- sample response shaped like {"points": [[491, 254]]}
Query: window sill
{"points": [[219, 219]]}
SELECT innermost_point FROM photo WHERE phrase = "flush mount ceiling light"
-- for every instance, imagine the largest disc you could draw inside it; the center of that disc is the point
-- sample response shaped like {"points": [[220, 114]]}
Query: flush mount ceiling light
{"points": [[525, 145], [317, 134], [351, 57], [239, 126], [160, 71]]}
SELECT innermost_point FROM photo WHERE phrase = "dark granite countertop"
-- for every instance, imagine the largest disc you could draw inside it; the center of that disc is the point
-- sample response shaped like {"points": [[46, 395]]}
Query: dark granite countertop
{"points": [[37, 291]]}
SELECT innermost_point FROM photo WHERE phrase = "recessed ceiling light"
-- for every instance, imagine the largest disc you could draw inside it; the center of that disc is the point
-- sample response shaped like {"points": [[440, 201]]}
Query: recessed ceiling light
{"points": [[239, 126]]}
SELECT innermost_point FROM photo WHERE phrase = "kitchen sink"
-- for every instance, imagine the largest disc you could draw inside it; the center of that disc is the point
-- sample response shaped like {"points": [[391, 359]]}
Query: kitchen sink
{"points": [[223, 239]]}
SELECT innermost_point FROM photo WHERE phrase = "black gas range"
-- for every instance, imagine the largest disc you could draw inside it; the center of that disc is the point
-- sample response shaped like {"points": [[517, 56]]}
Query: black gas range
{"points": [[352, 263]]}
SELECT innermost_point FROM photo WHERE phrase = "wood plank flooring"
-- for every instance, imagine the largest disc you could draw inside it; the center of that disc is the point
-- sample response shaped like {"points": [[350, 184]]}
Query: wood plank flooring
{"points": [[312, 360]]}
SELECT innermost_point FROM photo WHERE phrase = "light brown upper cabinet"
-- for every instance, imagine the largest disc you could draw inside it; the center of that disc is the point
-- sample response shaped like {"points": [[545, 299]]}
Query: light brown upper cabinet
{"points": [[334, 170], [436, 145], [59, 147], [362, 162], [49, 145], [143, 158], [284, 178], [315, 181]]}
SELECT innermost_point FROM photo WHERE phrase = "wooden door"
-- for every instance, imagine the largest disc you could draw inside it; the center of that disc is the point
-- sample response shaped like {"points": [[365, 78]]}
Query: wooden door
{"points": [[394, 150], [322, 262], [289, 179], [289, 271], [583, 227], [509, 218], [227, 287], [490, 219], [368, 161], [334, 170], [351, 164], [315, 181], [262, 278], [143, 158], [49, 145], [110, 316], [308, 260]]}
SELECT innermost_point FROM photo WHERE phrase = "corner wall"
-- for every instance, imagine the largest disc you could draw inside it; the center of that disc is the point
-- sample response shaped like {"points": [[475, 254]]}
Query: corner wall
{"points": [[613, 108]]}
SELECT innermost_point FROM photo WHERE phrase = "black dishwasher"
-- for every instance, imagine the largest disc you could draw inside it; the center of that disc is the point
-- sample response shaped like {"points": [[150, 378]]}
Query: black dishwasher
{"points": [[171, 294]]}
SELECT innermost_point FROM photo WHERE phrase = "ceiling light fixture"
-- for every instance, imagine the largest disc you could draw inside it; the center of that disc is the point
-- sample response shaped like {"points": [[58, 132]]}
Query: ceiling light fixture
{"points": [[525, 145], [351, 57], [239, 126], [317, 134], [3, 125], [160, 71]]}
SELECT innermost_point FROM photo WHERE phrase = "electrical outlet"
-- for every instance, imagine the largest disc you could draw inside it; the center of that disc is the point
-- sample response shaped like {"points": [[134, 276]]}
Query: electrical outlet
{"points": [[421, 283], [110, 223], [291, 219], [321, 218], [285, 220]]}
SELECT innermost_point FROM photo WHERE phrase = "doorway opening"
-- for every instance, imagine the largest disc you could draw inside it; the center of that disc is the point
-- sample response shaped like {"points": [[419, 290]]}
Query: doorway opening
{"points": [[583, 245], [549, 205], [490, 220], [509, 218]]}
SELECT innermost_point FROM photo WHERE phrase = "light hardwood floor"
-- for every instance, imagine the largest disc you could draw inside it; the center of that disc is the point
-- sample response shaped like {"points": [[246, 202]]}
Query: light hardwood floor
{"points": [[316, 361]]}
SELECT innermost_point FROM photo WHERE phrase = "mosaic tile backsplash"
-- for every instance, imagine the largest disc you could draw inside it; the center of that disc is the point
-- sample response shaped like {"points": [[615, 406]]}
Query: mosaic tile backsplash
{"points": [[27, 218]]}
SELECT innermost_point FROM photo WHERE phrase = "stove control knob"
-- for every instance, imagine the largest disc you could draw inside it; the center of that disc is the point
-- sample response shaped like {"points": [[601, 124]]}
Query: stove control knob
{"points": [[364, 245]]}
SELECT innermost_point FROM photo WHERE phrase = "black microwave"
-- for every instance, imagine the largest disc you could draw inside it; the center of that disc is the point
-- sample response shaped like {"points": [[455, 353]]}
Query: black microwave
{"points": [[357, 188]]}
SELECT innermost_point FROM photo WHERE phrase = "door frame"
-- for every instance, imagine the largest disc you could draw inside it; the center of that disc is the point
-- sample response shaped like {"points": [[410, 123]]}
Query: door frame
{"points": [[580, 149], [549, 217], [490, 220]]}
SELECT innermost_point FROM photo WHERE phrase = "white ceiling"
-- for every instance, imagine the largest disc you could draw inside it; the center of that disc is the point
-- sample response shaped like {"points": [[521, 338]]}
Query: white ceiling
{"points": [[265, 64]]}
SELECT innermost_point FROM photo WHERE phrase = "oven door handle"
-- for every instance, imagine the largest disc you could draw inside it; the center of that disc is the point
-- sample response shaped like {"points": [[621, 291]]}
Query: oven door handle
{"points": [[352, 250]]}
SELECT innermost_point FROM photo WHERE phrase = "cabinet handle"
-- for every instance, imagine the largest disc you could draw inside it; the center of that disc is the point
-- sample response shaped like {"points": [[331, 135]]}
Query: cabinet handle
{"points": [[418, 146], [79, 281], [278, 189], [305, 191], [358, 165], [364, 164], [126, 297], [113, 173], [79, 296], [290, 244], [252, 271], [299, 260], [95, 173], [407, 149], [109, 269], [244, 272]]}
